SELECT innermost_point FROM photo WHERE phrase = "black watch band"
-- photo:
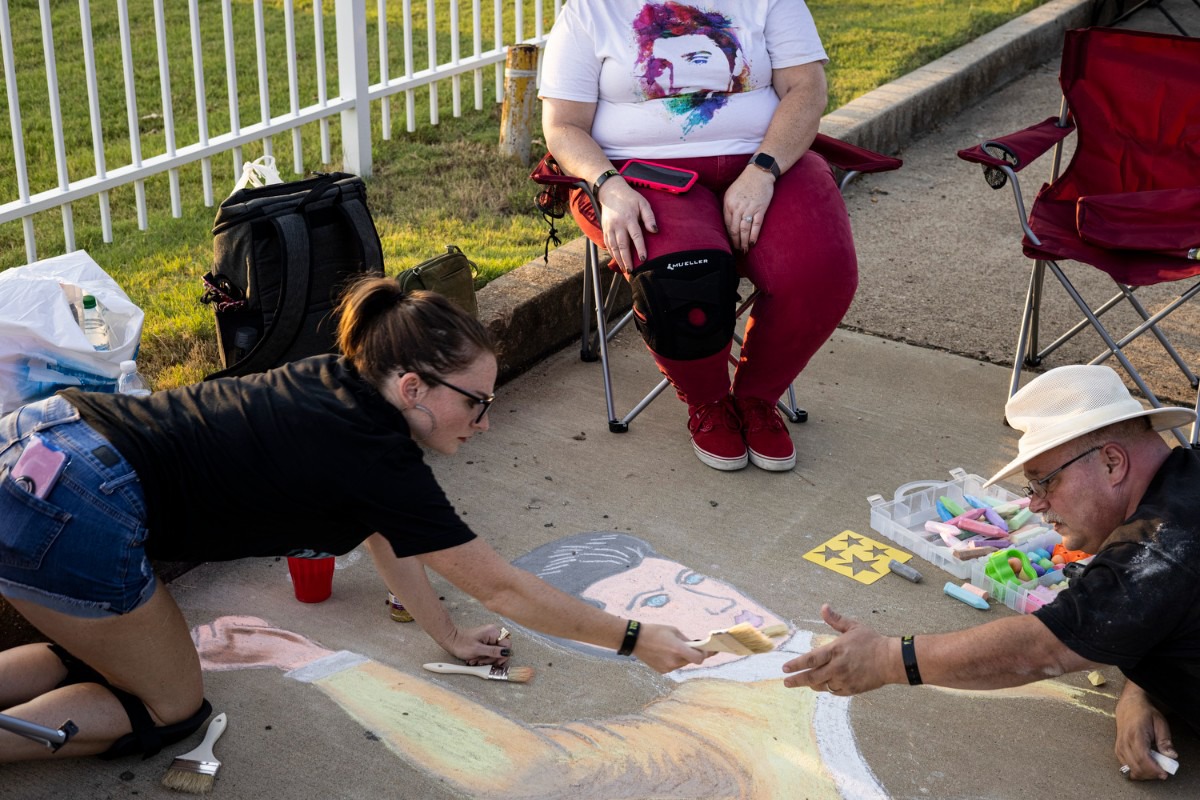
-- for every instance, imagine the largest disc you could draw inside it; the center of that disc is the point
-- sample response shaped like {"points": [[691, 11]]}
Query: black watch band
{"points": [[909, 654], [766, 163], [604, 176], [632, 629]]}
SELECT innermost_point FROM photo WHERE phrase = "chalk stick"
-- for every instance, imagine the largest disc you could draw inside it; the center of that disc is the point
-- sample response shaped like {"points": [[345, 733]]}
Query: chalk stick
{"points": [[961, 594], [1096, 678], [982, 528], [1166, 762], [997, 520], [951, 506], [904, 571], [968, 553], [973, 589], [933, 526], [974, 513]]}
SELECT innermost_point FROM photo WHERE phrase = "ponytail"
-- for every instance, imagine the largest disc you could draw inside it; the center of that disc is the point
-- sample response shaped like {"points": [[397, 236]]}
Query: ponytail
{"points": [[383, 330]]}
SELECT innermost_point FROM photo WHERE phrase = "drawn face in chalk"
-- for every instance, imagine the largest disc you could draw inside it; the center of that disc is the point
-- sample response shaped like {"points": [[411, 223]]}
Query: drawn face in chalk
{"points": [[664, 591]]}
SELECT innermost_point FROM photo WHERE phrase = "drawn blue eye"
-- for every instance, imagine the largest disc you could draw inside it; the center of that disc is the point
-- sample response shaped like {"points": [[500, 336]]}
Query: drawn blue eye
{"points": [[657, 600], [699, 57], [694, 579]]}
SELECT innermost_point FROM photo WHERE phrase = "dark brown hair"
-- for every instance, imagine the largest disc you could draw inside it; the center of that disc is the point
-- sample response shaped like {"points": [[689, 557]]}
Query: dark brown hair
{"points": [[383, 330]]}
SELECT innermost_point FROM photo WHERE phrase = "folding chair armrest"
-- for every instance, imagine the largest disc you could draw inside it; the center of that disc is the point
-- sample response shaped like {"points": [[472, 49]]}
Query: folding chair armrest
{"points": [[547, 172], [1019, 150], [852, 158]]}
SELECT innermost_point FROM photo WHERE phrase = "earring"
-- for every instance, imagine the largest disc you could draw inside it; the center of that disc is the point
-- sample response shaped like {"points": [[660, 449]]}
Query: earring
{"points": [[432, 418]]}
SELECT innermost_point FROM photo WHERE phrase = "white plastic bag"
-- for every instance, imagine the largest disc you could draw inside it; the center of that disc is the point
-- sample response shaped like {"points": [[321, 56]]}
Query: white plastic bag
{"points": [[42, 347], [259, 172]]}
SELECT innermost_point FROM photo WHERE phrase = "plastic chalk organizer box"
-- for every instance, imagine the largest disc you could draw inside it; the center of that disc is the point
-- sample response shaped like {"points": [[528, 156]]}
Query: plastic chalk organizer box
{"points": [[987, 536]]}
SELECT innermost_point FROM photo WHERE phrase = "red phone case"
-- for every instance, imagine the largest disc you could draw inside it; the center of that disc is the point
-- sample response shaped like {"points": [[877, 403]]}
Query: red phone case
{"points": [[650, 183]]}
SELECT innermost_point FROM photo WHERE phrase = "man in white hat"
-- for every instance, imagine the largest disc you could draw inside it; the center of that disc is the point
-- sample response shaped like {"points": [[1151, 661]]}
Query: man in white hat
{"points": [[1100, 472]]}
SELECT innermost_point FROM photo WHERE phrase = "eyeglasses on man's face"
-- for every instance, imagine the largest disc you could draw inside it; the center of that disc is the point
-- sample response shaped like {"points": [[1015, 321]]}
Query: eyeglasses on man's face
{"points": [[1040, 487], [484, 400]]}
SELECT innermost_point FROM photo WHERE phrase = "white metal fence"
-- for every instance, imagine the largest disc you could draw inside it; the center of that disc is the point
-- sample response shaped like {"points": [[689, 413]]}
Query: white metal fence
{"points": [[359, 87]]}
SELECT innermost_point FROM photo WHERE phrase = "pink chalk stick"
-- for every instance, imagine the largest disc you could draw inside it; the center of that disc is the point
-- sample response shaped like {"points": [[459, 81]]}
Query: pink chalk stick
{"points": [[982, 528], [974, 513], [973, 589], [933, 526]]}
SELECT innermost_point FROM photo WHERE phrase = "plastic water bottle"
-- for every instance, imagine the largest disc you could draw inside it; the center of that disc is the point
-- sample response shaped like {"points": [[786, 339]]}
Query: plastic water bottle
{"points": [[95, 328], [131, 381]]}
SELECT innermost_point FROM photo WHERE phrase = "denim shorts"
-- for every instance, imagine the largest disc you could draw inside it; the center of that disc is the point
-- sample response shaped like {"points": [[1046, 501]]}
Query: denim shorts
{"points": [[80, 551]]}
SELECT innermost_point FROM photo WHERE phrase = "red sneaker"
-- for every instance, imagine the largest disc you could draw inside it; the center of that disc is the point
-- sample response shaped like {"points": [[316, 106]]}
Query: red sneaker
{"points": [[767, 440], [717, 434]]}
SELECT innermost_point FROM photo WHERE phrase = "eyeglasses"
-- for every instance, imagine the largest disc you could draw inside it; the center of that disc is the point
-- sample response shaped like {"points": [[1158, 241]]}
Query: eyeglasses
{"points": [[1040, 487], [484, 400]]}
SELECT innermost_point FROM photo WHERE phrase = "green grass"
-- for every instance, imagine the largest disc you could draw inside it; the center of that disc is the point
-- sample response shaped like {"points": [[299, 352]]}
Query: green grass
{"points": [[435, 186]]}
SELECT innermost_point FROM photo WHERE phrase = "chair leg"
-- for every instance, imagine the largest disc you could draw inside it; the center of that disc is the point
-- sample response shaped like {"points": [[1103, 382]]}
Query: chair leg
{"points": [[587, 349], [1027, 335], [592, 265]]}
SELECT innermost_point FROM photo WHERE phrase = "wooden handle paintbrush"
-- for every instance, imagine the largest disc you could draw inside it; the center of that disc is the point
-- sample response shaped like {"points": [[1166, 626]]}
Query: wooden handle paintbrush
{"points": [[743, 640], [194, 771]]}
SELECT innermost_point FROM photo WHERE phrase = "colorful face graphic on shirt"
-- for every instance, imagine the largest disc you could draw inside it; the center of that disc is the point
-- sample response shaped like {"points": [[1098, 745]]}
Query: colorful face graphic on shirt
{"points": [[690, 58]]}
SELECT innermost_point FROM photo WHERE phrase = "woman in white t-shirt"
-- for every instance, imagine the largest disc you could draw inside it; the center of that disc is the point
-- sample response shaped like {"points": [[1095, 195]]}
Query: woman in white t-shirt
{"points": [[734, 92]]}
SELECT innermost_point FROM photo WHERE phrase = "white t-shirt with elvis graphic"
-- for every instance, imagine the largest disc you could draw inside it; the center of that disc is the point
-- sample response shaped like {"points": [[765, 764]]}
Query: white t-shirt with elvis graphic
{"points": [[672, 79]]}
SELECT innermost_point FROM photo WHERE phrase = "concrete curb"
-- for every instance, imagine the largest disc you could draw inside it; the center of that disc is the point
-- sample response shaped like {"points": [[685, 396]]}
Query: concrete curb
{"points": [[534, 310]]}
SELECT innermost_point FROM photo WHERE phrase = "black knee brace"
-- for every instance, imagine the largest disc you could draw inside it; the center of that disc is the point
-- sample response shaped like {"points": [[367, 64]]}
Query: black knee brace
{"points": [[145, 738], [685, 303]]}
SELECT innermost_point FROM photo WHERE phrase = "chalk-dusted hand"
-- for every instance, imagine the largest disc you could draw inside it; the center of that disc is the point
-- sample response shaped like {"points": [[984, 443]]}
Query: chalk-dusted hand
{"points": [[857, 661], [480, 645], [1141, 727], [664, 648]]}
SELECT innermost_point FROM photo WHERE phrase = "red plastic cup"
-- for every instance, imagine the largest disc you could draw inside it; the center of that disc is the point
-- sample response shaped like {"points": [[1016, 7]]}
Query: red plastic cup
{"points": [[312, 578]]}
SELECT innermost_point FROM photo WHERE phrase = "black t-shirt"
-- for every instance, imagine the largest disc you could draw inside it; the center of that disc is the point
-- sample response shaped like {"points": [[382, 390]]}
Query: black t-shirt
{"points": [[1137, 604], [307, 459]]}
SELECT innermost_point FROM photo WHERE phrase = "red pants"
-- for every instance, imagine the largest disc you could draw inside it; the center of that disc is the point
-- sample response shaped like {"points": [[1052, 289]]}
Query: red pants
{"points": [[803, 266]]}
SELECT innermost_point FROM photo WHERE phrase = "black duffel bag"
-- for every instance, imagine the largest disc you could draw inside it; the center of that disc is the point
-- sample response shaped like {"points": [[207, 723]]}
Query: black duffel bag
{"points": [[282, 255]]}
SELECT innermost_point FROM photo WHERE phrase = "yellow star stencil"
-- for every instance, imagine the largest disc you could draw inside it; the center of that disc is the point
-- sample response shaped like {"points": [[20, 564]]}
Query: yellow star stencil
{"points": [[855, 556]]}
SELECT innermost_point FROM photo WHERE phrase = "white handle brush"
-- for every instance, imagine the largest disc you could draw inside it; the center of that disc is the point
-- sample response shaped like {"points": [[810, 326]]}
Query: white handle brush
{"points": [[511, 674], [194, 771]]}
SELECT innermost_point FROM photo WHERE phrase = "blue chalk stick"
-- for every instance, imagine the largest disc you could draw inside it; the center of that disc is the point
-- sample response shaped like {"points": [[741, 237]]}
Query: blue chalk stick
{"points": [[975, 501], [959, 593], [943, 513]]}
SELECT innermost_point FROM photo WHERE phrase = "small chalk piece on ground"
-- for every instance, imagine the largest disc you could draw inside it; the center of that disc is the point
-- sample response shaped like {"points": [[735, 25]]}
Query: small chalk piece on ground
{"points": [[1096, 678], [904, 571], [1166, 762], [973, 589]]}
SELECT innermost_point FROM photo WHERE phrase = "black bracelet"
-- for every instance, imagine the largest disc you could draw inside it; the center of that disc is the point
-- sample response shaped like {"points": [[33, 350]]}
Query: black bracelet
{"points": [[608, 173], [909, 654], [632, 629]]}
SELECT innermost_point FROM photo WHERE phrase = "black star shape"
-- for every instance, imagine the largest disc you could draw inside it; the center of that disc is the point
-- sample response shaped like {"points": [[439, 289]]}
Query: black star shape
{"points": [[857, 565], [852, 539], [827, 553]]}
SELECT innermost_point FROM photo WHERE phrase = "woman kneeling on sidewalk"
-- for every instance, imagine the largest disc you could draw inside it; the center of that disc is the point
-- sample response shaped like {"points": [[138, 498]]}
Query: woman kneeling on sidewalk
{"points": [[309, 459]]}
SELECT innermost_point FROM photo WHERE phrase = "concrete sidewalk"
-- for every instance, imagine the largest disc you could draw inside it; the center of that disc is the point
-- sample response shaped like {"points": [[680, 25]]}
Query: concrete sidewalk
{"points": [[941, 286]]}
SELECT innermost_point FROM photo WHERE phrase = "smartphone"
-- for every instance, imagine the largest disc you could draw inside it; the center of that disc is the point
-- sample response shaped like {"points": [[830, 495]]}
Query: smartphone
{"points": [[38, 467], [658, 176]]}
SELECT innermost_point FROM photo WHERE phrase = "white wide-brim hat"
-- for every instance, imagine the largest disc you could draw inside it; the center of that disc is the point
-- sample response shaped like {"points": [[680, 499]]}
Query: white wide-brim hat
{"points": [[1067, 402]]}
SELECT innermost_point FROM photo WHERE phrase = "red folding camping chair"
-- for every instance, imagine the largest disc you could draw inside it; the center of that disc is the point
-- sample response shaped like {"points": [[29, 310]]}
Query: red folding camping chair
{"points": [[599, 302], [1128, 203]]}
